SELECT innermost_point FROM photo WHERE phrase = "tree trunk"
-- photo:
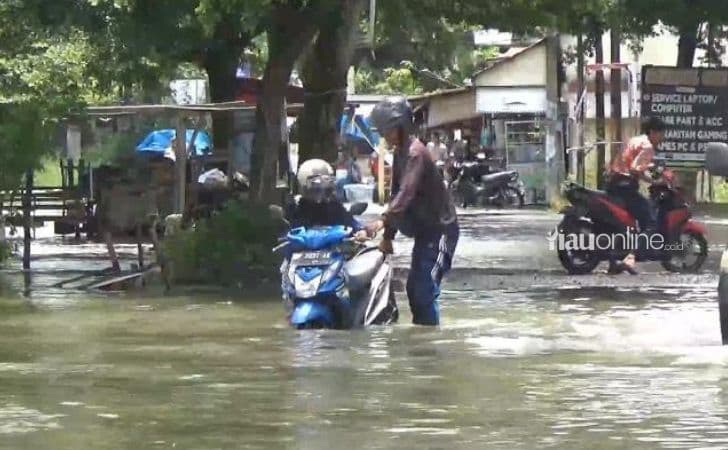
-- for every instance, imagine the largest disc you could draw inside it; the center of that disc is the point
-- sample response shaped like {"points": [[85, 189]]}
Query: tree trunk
{"points": [[291, 31], [686, 45], [324, 77], [221, 63], [221, 68]]}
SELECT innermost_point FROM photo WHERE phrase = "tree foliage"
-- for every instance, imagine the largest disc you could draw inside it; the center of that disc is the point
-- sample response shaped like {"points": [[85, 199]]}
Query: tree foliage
{"points": [[47, 72]]}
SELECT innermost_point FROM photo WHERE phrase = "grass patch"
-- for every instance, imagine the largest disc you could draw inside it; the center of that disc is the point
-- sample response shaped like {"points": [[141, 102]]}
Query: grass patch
{"points": [[49, 174]]}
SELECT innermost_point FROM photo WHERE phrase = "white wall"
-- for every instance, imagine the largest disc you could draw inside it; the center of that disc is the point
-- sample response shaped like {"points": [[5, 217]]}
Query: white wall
{"points": [[511, 100], [528, 68]]}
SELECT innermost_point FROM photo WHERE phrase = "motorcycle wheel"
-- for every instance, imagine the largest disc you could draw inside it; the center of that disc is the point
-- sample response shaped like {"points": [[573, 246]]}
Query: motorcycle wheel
{"points": [[577, 262], [457, 197], [311, 326], [511, 197], [696, 245], [723, 302]]}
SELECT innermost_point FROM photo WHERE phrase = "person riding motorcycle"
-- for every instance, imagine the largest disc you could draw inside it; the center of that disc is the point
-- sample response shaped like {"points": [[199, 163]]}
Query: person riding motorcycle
{"points": [[318, 205], [420, 208], [626, 171]]}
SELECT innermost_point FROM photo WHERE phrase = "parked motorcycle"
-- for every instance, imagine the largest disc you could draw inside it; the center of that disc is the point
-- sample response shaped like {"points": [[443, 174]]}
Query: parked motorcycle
{"points": [[329, 280], [474, 184], [594, 214], [716, 161], [441, 168]]}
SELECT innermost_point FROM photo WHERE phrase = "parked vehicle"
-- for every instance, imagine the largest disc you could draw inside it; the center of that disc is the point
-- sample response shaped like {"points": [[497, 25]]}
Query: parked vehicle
{"points": [[716, 161], [441, 167], [595, 214], [330, 281], [474, 184]]}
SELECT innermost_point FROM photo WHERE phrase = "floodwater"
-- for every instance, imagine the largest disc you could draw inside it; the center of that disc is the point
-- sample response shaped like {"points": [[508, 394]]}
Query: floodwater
{"points": [[512, 368], [605, 369]]}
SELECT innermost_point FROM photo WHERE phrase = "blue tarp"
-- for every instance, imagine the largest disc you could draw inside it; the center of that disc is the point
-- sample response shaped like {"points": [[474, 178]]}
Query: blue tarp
{"points": [[357, 130], [160, 141]]}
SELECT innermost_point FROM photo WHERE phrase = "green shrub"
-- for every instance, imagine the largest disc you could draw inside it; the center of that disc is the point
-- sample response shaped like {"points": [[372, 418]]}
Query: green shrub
{"points": [[6, 251], [232, 246]]}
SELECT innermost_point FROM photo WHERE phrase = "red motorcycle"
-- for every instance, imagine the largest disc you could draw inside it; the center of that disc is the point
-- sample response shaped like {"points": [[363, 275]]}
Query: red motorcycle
{"points": [[599, 228]]}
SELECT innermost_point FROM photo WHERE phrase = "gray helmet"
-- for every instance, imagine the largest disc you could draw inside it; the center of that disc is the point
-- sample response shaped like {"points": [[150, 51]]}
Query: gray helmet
{"points": [[392, 112], [316, 180]]}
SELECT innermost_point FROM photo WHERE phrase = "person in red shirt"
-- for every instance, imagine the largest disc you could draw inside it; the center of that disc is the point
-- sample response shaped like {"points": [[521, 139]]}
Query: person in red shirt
{"points": [[625, 173]]}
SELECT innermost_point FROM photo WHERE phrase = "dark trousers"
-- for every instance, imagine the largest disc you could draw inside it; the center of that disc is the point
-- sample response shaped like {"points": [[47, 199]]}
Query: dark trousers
{"points": [[431, 260], [636, 204]]}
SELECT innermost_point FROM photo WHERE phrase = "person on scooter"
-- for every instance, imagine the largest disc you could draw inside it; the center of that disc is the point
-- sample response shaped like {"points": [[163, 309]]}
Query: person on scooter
{"points": [[627, 170], [420, 208], [318, 205]]}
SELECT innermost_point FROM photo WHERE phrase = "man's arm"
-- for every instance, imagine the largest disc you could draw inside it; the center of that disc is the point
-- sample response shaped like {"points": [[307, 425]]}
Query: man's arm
{"points": [[408, 188], [643, 163], [390, 231], [403, 192]]}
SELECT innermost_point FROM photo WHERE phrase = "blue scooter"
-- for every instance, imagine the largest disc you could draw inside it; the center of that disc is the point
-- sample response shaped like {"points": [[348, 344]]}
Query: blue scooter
{"points": [[328, 280]]}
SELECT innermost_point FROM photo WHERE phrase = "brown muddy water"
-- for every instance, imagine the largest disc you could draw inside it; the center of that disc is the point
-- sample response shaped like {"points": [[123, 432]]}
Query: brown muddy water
{"points": [[511, 370], [514, 367]]}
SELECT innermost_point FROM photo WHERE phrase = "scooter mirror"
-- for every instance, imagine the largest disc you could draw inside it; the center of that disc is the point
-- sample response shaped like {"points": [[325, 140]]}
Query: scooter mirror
{"points": [[276, 212], [357, 209], [716, 159]]}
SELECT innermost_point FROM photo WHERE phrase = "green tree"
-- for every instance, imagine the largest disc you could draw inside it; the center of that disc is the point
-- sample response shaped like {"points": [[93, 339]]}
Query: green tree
{"points": [[48, 71], [324, 75], [685, 17], [290, 28], [147, 41]]}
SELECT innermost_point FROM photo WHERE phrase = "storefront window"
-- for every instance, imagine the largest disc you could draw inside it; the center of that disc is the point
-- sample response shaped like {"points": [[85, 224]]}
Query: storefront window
{"points": [[525, 142]]}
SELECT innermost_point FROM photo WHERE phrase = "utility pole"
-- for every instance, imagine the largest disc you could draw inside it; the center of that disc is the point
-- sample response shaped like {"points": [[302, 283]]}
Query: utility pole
{"points": [[580, 169], [599, 51], [615, 95]]}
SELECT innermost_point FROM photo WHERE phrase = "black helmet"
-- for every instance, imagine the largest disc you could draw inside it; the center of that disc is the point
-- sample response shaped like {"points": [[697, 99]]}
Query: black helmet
{"points": [[652, 123], [392, 112]]}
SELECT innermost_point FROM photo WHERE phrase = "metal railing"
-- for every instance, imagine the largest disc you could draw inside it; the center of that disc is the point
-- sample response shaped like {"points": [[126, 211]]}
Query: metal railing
{"points": [[579, 154]]}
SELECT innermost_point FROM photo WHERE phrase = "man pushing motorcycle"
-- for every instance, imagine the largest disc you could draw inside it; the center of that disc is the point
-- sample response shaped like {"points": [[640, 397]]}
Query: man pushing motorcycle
{"points": [[626, 171], [420, 208]]}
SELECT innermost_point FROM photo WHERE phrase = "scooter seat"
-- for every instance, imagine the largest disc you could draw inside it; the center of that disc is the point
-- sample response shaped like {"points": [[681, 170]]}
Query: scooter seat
{"points": [[612, 199], [360, 270], [496, 177]]}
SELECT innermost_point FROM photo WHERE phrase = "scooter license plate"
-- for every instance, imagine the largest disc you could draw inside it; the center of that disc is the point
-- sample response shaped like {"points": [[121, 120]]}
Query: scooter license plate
{"points": [[312, 258]]}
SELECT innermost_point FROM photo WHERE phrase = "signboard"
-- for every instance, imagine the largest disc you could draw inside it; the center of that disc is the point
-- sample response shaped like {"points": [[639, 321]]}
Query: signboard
{"points": [[491, 37], [512, 100], [694, 105]]}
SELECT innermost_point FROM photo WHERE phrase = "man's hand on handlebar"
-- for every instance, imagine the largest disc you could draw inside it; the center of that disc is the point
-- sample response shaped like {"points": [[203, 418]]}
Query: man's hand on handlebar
{"points": [[375, 227], [361, 236]]}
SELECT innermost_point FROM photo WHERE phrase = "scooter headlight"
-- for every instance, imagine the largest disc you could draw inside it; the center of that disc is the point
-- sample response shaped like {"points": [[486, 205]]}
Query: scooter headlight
{"points": [[307, 289], [331, 272]]}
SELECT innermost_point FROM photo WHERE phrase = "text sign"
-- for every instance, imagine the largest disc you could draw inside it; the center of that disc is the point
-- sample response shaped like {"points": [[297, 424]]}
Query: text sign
{"points": [[693, 103]]}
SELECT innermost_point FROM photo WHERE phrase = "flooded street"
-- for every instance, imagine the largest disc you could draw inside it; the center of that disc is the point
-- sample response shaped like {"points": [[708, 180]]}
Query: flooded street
{"points": [[526, 358]]}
